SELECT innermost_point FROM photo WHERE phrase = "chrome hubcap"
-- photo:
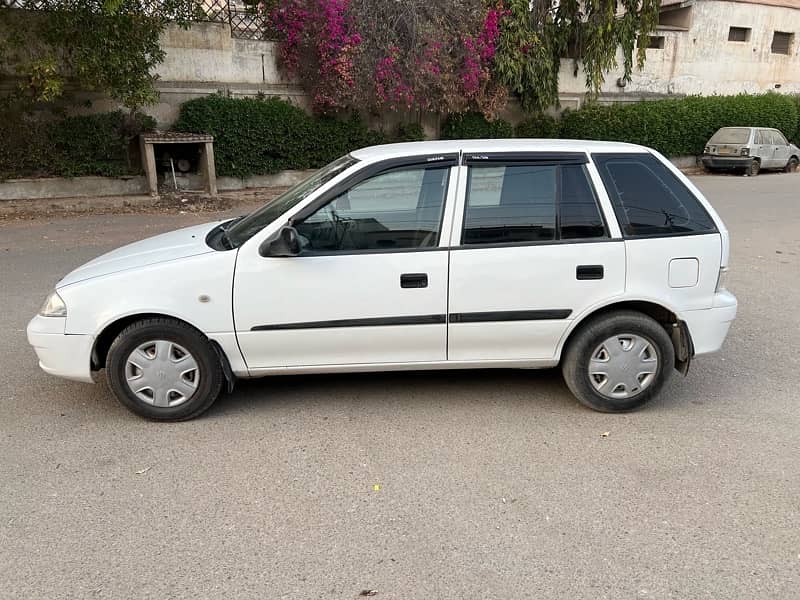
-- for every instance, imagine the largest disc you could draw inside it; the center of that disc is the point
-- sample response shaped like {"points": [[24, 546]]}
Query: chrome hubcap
{"points": [[623, 366], [162, 373]]}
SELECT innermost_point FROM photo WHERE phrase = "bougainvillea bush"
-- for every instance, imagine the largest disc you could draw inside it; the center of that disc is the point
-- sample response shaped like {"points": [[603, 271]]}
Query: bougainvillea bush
{"points": [[382, 55], [454, 56]]}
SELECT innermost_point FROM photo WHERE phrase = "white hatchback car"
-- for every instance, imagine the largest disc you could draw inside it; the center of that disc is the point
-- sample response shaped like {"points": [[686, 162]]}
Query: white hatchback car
{"points": [[599, 257]]}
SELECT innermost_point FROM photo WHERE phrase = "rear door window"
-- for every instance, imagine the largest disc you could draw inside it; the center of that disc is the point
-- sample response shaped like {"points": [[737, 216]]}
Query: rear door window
{"points": [[530, 203], [778, 138], [648, 199]]}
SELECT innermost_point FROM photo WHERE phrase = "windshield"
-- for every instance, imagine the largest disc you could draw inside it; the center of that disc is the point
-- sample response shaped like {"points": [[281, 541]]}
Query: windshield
{"points": [[247, 227], [731, 135]]}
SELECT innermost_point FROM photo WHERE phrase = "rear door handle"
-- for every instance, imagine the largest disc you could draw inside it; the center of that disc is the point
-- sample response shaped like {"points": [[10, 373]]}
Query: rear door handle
{"points": [[414, 280], [589, 272]]}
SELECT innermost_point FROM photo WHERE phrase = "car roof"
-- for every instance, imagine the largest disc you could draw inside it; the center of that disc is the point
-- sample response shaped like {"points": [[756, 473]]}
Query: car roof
{"points": [[388, 151], [747, 127]]}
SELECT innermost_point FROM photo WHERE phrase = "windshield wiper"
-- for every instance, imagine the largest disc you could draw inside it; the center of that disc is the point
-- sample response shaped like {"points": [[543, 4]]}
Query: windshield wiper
{"points": [[223, 235], [226, 241]]}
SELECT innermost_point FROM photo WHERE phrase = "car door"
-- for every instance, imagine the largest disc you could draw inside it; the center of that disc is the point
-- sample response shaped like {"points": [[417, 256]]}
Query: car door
{"points": [[782, 152], [761, 149], [369, 285], [770, 159], [531, 250]]}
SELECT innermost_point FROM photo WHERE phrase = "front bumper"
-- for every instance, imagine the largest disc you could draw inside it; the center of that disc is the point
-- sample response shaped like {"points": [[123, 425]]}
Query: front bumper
{"points": [[62, 355], [726, 162], [709, 327]]}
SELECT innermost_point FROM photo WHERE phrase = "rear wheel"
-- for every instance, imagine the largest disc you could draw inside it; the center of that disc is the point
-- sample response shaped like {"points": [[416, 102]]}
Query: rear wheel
{"points": [[163, 369], [618, 361], [791, 166], [753, 168]]}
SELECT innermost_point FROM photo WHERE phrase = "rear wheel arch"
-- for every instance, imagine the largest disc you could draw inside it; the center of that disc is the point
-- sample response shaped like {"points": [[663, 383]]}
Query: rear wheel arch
{"points": [[663, 315]]}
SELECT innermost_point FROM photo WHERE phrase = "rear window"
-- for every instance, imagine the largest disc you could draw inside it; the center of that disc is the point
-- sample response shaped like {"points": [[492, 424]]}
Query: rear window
{"points": [[731, 135], [648, 199]]}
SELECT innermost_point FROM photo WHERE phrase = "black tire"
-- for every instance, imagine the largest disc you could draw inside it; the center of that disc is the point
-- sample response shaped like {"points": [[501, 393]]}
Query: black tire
{"points": [[575, 361], [209, 368], [754, 168], [791, 166]]}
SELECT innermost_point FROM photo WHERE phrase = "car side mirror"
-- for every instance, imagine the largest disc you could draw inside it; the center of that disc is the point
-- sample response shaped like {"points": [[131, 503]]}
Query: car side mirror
{"points": [[284, 243]]}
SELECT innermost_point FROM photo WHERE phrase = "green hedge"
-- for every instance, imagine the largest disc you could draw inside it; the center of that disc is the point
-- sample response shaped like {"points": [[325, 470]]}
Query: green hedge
{"points": [[796, 136], [410, 132], [682, 126], [474, 126], [70, 147], [538, 126], [257, 136]]}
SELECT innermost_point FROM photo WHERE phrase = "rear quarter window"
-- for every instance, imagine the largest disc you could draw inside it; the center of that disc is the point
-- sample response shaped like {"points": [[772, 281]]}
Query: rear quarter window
{"points": [[648, 199]]}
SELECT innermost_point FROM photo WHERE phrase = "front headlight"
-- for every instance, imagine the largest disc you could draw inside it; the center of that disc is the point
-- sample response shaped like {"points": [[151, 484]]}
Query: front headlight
{"points": [[53, 306]]}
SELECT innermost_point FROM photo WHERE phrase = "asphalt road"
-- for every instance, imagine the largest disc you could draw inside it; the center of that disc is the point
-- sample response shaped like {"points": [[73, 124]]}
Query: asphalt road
{"points": [[492, 484]]}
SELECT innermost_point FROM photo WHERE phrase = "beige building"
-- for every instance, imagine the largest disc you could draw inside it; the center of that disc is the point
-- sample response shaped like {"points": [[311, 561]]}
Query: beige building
{"points": [[709, 47]]}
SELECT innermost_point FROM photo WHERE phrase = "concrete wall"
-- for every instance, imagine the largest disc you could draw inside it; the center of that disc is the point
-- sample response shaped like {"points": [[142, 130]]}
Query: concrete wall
{"points": [[205, 60], [62, 187]]}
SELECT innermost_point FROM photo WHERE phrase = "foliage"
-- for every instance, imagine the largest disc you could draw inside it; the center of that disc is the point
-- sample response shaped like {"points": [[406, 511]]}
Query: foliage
{"points": [[409, 132], [474, 126], [795, 138], [535, 36], [433, 55], [539, 125], [678, 127], [74, 146], [257, 136], [109, 46]]}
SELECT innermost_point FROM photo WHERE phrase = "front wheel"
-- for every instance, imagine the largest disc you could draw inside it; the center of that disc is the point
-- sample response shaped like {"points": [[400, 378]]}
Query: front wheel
{"points": [[618, 361], [791, 166], [164, 370]]}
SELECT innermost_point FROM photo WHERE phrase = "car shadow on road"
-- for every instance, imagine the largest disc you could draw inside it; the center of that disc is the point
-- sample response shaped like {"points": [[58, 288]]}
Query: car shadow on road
{"points": [[540, 389], [406, 389]]}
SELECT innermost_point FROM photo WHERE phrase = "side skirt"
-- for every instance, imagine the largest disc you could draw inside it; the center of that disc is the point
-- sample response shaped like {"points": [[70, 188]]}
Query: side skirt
{"points": [[410, 366]]}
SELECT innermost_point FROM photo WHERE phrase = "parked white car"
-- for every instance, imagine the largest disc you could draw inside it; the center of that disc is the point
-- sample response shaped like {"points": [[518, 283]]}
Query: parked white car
{"points": [[750, 150], [599, 257]]}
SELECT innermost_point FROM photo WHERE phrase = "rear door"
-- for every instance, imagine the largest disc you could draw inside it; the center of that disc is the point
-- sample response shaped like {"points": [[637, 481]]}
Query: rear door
{"points": [[530, 250], [762, 148], [770, 159]]}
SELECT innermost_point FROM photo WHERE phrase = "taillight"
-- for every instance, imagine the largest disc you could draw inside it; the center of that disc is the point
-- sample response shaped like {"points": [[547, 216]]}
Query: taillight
{"points": [[722, 278], [745, 152]]}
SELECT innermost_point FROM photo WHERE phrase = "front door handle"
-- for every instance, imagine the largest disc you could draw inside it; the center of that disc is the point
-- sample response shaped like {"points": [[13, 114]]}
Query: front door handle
{"points": [[589, 272], [414, 280]]}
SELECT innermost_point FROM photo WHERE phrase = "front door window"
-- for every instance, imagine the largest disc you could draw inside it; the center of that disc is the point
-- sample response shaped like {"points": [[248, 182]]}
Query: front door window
{"points": [[395, 210]]}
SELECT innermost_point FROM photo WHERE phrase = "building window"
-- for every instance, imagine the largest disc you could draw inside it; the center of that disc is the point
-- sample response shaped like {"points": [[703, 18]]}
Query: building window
{"points": [[675, 18], [739, 34], [782, 42], [655, 42]]}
